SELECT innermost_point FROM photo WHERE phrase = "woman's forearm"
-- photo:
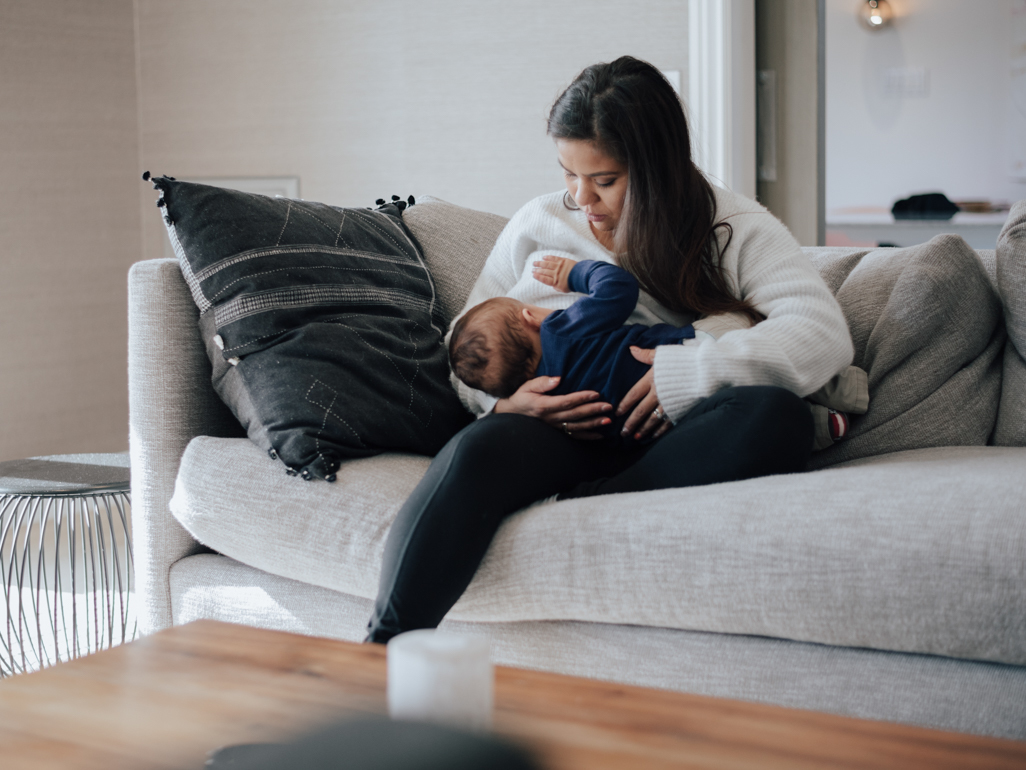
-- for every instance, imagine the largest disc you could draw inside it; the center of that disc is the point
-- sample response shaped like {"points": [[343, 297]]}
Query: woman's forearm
{"points": [[799, 360], [802, 344]]}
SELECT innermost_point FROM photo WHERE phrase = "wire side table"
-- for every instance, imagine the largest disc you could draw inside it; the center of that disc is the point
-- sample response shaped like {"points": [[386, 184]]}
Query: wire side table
{"points": [[65, 558]]}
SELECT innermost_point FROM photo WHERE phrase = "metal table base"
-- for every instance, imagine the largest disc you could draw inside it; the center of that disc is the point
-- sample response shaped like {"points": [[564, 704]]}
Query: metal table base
{"points": [[65, 558]]}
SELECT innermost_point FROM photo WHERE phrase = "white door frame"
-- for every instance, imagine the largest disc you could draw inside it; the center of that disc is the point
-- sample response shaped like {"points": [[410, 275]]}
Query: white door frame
{"points": [[721, 91]]}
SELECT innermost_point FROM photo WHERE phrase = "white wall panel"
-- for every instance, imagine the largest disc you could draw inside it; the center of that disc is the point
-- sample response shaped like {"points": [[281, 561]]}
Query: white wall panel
{"points": [[921, 105]]}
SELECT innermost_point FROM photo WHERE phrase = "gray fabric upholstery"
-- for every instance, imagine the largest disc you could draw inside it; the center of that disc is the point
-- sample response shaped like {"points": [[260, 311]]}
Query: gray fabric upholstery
{"points": [[1011, 273], [988, 258], [984, 698], [456, 242], [1010, 426], [926, 323], [170, 401], [1010, 429], [330, 535], [818, 558]]}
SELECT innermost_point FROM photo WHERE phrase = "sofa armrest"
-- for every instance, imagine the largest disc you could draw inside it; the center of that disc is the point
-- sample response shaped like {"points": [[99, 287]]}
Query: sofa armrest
{"points": [[170, 401]]}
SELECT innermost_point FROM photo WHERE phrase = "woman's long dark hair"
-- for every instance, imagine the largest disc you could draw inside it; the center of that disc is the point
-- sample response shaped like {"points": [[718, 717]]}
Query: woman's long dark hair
{"points": [[666, 236]]}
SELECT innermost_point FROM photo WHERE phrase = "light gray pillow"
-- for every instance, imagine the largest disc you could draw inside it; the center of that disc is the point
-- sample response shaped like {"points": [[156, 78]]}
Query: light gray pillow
{"points": [[1010, 429], [926, 324]]}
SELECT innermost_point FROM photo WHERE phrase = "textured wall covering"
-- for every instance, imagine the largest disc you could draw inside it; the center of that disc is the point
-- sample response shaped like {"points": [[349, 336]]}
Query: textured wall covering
{"points": [[361, 99], [69, 223], [357, 99]]}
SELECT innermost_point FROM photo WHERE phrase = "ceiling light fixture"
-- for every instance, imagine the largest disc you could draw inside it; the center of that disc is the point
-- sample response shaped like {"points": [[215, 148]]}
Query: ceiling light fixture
{"points": [[876, 14]]}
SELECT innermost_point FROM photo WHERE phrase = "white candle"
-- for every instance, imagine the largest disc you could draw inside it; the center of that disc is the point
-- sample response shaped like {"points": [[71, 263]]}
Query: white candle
{"points": [[440, 677]]}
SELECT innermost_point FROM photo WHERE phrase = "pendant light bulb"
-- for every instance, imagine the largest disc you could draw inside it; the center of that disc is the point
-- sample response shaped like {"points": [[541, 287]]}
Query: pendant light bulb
{"points": [[876, 14]]}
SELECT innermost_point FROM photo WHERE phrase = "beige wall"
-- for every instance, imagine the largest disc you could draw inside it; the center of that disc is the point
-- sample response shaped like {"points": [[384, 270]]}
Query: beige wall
{"points": [[362, 100], [357, 99], [69, 223]]}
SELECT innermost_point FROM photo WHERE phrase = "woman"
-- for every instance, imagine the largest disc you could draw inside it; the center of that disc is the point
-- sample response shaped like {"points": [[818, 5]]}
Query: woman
{"points": [[722, 410]]}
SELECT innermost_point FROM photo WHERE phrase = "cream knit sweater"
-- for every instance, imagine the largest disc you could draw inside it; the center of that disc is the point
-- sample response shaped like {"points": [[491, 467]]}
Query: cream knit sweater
{"points": [[803, 342]]}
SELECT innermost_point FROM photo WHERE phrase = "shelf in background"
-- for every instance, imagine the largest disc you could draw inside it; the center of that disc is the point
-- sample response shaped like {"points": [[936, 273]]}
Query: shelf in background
{"points": [[979, 230]]}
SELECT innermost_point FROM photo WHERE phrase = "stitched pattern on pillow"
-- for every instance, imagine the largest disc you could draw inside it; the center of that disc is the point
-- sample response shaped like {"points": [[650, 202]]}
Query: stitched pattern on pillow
{"points": [[322, 324]]}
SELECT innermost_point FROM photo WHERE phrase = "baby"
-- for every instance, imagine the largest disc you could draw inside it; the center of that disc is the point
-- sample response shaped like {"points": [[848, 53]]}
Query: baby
{"points": [[500, 344]]}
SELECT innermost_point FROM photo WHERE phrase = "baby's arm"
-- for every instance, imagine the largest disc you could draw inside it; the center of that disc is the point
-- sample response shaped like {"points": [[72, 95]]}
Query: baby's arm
{"points": [[554, 272], [611, 293]]}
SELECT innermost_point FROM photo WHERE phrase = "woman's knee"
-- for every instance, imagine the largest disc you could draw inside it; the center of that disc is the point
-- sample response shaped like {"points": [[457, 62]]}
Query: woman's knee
{"points": [[771, 408], [764, 418], [768, 400], [492, 440], [780, 422]]}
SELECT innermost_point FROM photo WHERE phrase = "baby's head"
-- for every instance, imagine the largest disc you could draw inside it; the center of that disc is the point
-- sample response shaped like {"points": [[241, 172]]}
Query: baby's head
{"points": [[493, 349]]}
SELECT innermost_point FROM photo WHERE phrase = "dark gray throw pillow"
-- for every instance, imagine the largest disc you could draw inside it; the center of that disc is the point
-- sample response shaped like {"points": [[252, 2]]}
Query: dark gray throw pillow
{"points": [[322, 324]]}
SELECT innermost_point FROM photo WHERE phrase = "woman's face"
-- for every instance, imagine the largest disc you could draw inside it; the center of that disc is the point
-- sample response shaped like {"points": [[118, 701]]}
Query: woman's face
{"points": [[597, 183]]}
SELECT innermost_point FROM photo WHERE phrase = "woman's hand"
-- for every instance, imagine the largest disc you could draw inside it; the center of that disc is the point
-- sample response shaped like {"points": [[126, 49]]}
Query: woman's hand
{"points": [[644, 420], [575, 413]]}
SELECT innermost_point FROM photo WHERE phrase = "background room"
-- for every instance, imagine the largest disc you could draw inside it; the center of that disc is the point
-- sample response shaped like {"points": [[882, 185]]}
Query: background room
{"points": [[878, 578], [348, 102]]}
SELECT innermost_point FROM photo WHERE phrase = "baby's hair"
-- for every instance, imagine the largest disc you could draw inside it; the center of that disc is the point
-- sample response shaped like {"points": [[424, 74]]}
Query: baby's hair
{"points": [[469, 352]]}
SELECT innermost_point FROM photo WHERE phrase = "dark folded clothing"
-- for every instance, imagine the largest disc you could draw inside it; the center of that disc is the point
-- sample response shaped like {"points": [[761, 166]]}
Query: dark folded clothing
{"points": [[925, 206]]}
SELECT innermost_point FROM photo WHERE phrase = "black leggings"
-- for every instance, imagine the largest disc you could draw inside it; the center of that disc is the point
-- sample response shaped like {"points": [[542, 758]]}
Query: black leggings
{"points": [[504, 462]]}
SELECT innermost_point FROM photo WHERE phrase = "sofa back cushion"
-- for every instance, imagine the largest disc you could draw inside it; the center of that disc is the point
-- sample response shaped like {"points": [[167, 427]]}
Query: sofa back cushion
{"points": [[1010, 429], [456, 242]]}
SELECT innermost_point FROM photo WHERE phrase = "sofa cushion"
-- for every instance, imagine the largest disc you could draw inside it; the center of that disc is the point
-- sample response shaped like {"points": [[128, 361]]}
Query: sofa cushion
{"points": [[322, 324], [921, 551], [926, 325]]}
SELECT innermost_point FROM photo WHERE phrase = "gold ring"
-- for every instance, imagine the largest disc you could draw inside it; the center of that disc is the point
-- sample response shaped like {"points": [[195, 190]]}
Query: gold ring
{"points": [[566, 429], [659, 414]]}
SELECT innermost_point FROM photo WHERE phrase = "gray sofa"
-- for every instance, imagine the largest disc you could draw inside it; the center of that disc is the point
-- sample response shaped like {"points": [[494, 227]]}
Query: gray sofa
{"points": [[888, 586]]}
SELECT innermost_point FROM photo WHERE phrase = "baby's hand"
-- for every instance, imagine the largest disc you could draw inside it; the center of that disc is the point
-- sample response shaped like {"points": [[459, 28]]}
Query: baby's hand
{"points": [[554, 271]]}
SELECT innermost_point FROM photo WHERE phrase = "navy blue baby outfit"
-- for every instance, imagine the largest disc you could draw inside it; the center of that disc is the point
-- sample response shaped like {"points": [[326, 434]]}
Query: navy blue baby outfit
{"points": [[587, 344]]}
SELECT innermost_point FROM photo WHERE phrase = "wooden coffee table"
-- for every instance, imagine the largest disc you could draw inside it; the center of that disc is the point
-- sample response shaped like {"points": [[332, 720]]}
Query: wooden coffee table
{"points": [[165, 700]]}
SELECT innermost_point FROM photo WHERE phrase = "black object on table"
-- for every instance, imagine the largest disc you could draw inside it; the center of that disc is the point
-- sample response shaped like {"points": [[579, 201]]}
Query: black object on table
{"points": [[376, 743], [925, 206]]}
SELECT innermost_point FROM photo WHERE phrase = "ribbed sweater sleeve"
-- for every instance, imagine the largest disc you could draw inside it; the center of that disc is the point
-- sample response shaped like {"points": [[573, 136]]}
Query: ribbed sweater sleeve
{"points": [[803, 342]]}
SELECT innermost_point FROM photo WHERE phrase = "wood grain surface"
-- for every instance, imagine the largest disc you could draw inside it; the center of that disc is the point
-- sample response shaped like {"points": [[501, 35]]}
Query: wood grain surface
{"points": [[166, 700]]}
